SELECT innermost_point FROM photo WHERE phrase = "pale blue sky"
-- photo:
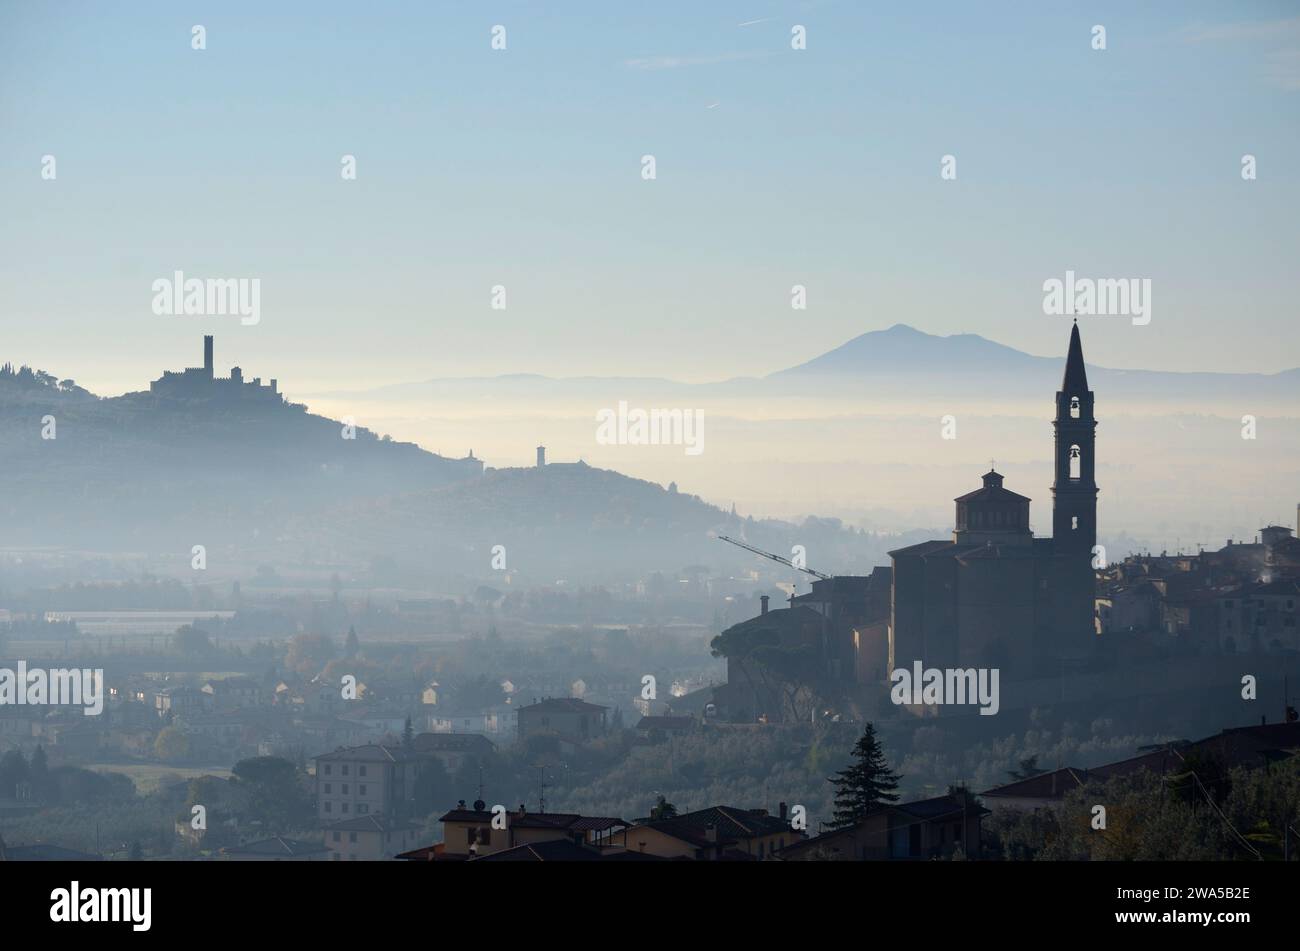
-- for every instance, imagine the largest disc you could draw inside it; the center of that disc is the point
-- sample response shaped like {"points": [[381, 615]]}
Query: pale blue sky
{"points": [[521, 168]]}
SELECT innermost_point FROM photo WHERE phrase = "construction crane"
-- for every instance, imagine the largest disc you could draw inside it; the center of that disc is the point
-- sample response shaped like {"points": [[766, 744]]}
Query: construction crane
{"points": [[777, 558]]}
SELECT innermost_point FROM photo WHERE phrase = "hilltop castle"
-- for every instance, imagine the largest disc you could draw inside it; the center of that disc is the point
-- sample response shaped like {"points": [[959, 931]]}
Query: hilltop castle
{"points": [[200, 383]]}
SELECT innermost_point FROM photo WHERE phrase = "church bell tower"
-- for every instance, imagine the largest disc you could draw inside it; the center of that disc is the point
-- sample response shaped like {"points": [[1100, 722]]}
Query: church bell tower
{"points": [[1074, 492]]}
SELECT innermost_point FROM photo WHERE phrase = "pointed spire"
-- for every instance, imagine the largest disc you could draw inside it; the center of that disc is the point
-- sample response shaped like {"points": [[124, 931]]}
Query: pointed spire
{"points": [[1075, 381]]}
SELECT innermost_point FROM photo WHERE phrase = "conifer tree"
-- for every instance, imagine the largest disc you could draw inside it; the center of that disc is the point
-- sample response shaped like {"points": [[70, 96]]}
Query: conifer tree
{"points": [[866, 785]]}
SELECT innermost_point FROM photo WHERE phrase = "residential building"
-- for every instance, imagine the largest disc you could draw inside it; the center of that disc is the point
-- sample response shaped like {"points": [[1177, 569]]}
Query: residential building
{"points": [[567, 718], [364, 780], [369, 838], [470, 831], [716, 833], [927, 829], [453, 750]]}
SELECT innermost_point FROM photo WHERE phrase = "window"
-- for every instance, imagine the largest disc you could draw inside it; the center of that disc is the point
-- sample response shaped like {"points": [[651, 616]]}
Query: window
{"points": [[485, 836], [327, 769], [1076, 461], [1074, 407], [363, 808], [361, 790], [336, 836], [327, 787], [345, 769], [345, 807], [329, 807], [352, 837], [1074, 522], [344, 789], [361, 771]]}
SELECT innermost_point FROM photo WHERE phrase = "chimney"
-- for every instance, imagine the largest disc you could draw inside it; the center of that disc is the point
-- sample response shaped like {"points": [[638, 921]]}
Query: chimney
{"points": [[763, 602], [541, 456], [275, 388], [207, 355]]}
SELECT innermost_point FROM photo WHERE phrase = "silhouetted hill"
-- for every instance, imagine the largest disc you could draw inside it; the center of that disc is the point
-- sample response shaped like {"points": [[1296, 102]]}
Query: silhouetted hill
{"points": [[142, 471], [573, 521]]}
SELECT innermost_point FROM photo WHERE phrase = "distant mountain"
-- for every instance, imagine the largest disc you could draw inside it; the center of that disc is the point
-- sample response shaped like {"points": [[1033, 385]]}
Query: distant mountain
{"points": [[904, 350], [882, 359], [900, 363]]}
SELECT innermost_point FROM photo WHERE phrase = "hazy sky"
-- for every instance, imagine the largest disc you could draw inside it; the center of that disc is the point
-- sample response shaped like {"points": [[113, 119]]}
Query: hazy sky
{"points": [[522, 168]]}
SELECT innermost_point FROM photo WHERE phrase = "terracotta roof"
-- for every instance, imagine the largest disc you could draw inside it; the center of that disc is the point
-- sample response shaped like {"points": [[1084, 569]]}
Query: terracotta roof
{"points": [[569, 821], [992, 493], [937, 807], [452, 743], [431, 853], [564, 850], [732, 825], [1050, 785], [275, 845], [1251, 745], [554, 850], [466, 815], [369, 753]]}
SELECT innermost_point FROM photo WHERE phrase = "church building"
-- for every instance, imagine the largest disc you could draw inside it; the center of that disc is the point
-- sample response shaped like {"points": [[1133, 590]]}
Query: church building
{"points": [[994, 595]]}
